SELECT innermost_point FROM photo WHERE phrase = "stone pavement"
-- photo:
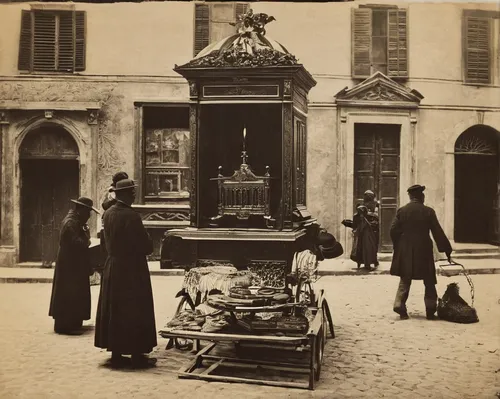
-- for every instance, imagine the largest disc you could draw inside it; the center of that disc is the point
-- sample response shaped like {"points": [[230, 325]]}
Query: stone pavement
{"points": [[33, 273], [375, 355]]}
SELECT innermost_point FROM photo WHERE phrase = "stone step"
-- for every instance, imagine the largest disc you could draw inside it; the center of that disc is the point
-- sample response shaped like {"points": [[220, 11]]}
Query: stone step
{"points": [[385, 257], [459, 248]]}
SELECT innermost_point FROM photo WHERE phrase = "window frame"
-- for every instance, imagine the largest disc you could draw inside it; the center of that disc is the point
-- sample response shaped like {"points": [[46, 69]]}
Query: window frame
{"points": [[26, 45], [494, 53], [142, 170], [357, 50]]}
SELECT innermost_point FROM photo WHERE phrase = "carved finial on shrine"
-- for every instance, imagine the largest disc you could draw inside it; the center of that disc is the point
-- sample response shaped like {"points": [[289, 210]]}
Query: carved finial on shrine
{"points": [[267, 172], [244, 157]]}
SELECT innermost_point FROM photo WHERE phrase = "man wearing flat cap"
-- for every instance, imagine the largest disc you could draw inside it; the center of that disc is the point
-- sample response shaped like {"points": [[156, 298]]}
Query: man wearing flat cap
{"points": [[413, 257], [125, 321], [70, 299]]}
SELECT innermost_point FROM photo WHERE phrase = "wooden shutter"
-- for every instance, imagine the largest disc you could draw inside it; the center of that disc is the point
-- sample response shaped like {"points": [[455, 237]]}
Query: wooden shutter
{"points": [[24, 60], [80, 40], [477, 49], [201, 27], [65, 42], [44, 49], [361, 42], [397, 46]]}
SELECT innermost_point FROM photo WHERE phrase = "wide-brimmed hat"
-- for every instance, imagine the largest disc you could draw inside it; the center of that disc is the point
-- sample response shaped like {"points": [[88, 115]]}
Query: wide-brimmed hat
{"points": [[416, 188], [86, 202], [125, 184], [329, 247]]}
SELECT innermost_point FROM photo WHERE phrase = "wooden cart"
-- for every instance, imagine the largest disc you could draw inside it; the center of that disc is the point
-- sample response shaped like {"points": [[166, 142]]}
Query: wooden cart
{"points": [[306, 350]]}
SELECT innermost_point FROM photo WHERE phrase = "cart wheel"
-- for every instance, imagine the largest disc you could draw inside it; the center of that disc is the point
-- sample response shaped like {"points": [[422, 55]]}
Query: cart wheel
{"points": [[327, 320], [183, 343], [318, 356]]}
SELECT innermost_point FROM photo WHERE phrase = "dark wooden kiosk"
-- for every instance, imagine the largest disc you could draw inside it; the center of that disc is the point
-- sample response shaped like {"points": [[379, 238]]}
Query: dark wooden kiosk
{"points": [[248, 122]]}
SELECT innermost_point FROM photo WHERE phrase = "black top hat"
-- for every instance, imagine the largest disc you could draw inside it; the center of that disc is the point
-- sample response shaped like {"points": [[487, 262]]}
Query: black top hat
{"points": [[416, 188], [329, 247], [86, 202], [125, 184]]}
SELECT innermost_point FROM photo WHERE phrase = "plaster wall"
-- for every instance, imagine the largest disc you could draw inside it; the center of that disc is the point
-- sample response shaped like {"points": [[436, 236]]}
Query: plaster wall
{"points": [[132, 48]]}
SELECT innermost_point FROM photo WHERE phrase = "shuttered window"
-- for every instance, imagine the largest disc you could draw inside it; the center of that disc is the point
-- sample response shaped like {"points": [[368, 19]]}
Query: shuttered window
{"points": [[477, 50], [379, 42], [52, 41], [212, 22]]}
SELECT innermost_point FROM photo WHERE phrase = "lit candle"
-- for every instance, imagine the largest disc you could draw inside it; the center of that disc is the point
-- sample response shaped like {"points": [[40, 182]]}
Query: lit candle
{"points": [[244, 136]]}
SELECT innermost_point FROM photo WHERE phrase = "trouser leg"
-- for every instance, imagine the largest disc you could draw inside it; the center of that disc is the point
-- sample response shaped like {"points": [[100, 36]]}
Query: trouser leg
{"points": [[402, 296], [430, 297]]}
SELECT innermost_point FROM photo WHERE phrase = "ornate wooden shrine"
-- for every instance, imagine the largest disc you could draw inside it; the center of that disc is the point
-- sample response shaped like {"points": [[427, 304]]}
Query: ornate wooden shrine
{"points": [[248, 124]]}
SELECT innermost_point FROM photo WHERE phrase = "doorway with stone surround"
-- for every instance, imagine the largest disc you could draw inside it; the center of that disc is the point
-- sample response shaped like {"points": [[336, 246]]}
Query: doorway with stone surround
{"points": [[376, 168], [50, 177], [477, 186]]}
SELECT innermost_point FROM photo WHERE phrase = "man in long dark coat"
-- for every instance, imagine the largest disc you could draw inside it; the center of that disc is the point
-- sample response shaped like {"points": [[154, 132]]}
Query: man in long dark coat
{"points": [[70, 300], [413, 251], [125, 322]]}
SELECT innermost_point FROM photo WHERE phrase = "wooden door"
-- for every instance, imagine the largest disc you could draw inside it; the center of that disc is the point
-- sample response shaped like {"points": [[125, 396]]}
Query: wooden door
{"points": [[376, 168], [46, 189], [476, 198]]}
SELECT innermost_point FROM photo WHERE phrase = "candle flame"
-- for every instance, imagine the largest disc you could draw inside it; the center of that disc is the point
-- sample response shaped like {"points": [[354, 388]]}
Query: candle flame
{"points": [[244, 132]]}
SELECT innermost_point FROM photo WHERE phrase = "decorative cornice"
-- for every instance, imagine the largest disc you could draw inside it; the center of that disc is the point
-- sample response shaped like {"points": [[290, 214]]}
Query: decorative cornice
{"points": [[49, 105], [379, 90]]}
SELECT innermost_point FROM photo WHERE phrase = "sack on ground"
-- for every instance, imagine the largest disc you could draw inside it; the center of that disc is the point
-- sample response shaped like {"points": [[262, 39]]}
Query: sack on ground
{"points": [[452, 307]]}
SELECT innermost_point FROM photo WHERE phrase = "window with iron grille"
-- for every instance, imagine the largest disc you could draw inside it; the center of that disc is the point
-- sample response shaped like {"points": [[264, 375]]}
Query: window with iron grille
{"points": [[212, 22], [52, 41], [379, 41], [479, 45]]}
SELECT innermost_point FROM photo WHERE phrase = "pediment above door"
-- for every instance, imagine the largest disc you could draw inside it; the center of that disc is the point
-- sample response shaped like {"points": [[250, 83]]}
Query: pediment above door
{"points": [[379, 91]]}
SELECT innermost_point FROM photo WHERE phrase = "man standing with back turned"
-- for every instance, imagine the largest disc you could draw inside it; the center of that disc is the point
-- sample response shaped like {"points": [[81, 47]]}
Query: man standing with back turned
{"points": [[125, 322], [413, 252]]}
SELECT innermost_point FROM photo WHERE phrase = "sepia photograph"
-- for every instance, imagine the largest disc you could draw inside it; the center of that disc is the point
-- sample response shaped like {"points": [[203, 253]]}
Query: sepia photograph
{"points": [[229, 199]]}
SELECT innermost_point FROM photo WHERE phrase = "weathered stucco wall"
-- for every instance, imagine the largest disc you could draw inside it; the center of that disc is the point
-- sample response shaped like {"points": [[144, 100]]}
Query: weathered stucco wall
{"points": [[322, 164], [132, 48]]}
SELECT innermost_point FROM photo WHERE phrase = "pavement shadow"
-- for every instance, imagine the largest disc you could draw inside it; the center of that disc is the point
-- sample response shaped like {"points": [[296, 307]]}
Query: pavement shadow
{"points": [[422, 317], [125, 367]]}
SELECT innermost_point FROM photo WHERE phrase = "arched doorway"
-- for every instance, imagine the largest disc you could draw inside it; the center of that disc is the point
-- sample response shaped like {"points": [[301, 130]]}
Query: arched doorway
{"points": [[477, 186], [50, 177]]}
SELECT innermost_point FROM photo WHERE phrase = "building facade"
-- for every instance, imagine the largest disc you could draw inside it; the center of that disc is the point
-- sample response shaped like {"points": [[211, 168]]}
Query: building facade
{"points": [[406, 93]]}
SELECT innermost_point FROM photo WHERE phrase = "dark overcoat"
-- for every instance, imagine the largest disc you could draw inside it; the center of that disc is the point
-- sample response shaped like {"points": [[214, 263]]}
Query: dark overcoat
{"points": [[413, 251], [365, 242], [125, 321], [70, 300]]}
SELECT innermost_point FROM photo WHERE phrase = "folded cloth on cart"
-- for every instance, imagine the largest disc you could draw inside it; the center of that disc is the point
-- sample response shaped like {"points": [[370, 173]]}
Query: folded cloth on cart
{"points": [[305, 265], [222, 278]]}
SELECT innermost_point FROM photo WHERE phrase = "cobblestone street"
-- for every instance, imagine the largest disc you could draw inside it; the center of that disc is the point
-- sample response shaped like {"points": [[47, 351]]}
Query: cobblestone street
{"points": [[374, 355]]}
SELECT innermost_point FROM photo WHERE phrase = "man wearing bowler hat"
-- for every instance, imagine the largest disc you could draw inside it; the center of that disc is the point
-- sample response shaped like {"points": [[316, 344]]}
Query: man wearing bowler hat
{"points": [[125, 322], [413, 257], [70, 299]]}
